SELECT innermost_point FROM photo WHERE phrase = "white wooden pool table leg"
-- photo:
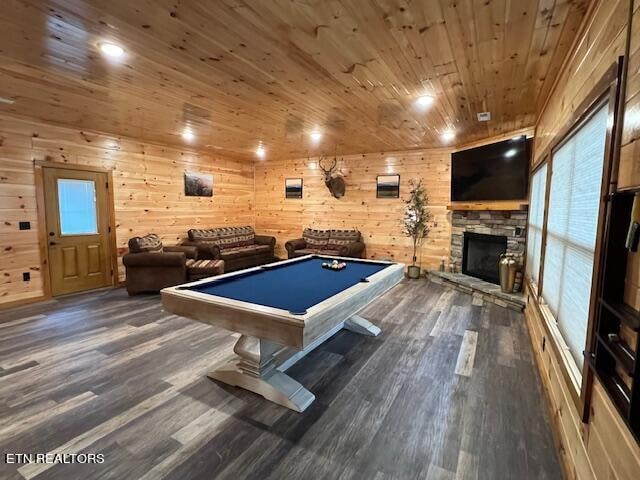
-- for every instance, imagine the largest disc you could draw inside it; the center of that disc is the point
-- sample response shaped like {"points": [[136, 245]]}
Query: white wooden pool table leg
{"points": [[261, 364], [360, 325], [255, 370]]}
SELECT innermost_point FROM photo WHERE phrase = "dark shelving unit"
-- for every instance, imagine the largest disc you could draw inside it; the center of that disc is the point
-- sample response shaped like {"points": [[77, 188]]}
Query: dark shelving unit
{"points": [[611, 354]]}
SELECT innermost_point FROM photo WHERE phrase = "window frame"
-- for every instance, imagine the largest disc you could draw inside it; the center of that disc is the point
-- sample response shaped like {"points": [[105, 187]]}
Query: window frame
{"points": [[605, 92], [533, 170]]}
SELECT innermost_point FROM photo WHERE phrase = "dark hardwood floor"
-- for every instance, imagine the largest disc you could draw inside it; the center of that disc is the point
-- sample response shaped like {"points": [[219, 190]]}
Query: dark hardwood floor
{"points": [[448, 391]]}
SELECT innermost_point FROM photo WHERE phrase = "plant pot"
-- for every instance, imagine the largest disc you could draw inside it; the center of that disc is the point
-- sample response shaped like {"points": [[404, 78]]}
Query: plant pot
{"points": [[413, 271]]}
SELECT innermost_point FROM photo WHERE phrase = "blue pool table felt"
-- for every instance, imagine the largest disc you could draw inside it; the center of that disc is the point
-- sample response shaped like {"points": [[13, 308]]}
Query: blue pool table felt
{"points": [[294, 286]]}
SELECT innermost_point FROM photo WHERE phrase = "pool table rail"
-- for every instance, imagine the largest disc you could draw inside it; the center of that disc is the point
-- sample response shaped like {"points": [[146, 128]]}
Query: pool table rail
{"points": [[280, 327]]}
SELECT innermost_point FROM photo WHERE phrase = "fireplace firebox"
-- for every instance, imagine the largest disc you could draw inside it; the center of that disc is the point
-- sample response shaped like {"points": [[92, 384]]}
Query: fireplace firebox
{"points": [[481, 254]]}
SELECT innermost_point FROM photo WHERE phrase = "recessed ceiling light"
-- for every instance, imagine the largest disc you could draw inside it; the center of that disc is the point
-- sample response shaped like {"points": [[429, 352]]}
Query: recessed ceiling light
{"points": [[188, 135], [424, 101], [260, 151], [510, 153], [448, 135], [315, 136], [519, 137], [111, 49]]}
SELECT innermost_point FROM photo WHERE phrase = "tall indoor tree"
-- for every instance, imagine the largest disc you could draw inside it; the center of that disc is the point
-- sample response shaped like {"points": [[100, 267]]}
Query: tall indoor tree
{"points": [[417, 221]]}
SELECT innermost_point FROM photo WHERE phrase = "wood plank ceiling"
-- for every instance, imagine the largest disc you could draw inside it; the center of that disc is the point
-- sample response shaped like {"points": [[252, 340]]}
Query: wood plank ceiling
{"points": [[241, 72]]}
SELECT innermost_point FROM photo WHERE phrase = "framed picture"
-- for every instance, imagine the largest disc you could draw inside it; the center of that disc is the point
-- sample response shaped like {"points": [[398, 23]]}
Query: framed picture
{"points": [[293, 188], [388, 186], [198, 184]]}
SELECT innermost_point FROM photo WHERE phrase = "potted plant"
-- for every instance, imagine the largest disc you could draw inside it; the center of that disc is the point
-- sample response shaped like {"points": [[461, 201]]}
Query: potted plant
{"points": [[416, 222]]}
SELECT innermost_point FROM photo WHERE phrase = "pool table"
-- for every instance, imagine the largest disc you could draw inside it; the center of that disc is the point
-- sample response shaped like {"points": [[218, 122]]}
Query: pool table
{"points": [[283, 311]]}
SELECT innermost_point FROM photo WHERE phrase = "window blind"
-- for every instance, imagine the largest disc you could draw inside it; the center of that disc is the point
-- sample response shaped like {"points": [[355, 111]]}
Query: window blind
{"points": [[536, 219], [574, 197]]}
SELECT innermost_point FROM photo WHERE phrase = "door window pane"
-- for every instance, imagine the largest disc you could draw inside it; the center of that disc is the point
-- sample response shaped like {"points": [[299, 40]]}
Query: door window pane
{"points": [[77, 204]]}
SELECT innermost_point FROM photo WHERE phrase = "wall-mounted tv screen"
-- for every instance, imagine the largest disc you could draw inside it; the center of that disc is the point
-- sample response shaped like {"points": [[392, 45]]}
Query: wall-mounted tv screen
{"points": [[499, 171]]}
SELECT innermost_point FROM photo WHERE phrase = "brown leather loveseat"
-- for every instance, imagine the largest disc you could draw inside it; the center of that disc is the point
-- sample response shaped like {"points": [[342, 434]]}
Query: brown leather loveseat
{"points": [[150, 266], [343, 243], [239, 247]]}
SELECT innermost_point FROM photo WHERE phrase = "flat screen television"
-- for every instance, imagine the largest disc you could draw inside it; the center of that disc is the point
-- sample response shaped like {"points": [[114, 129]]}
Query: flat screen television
{"points": [[499, 171]]}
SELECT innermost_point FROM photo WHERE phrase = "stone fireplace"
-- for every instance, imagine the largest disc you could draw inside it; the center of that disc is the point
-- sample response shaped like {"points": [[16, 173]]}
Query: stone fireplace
{"points": [[507, 227], [478, 238]]}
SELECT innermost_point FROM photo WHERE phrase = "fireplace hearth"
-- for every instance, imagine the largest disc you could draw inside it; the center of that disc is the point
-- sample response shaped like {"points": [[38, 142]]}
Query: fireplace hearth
{"points": [[481, 255]]}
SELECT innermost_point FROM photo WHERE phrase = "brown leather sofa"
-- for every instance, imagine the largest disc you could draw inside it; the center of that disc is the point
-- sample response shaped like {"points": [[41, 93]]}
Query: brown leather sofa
{"points": [[342, 243], [150, 266], [239, 247]]}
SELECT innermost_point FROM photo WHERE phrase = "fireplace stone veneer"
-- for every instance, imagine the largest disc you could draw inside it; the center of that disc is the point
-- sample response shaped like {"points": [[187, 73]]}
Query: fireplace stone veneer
{"points": [[511, 224]]}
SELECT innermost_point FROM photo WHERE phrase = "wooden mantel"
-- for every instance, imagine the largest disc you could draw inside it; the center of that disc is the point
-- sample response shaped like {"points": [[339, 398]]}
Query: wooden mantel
{"points": [[495, 205]]}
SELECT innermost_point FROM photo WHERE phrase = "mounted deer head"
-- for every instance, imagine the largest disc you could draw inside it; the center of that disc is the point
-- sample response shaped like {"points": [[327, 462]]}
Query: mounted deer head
{"points": [[332, 178]]}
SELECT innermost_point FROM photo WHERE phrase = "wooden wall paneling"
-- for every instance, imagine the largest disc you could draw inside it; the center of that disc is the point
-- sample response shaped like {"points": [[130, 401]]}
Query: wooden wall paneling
{"points": [[148, 192], [528, 132], [601, 449], [378, 219], [19, 249], [629, 169], [602, 42], [568, 427], [619, 448]]}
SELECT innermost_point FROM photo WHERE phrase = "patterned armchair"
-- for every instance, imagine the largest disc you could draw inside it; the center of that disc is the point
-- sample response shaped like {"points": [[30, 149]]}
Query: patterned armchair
{"points": [[342, 243], [239, 247]]}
